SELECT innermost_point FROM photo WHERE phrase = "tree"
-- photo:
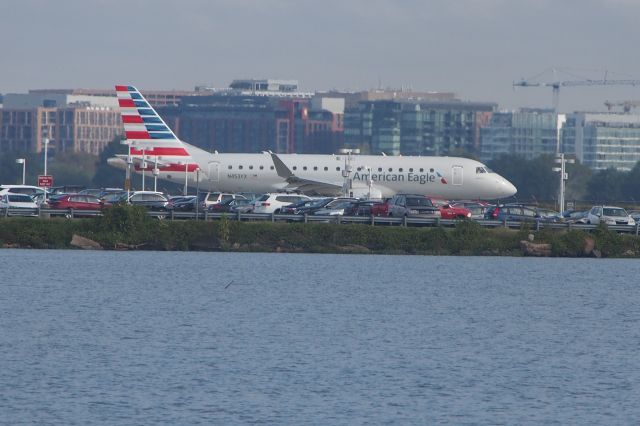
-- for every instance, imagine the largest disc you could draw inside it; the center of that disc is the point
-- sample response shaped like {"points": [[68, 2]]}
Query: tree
{"points": [[106, 175], [606, 186], [534, 179]]}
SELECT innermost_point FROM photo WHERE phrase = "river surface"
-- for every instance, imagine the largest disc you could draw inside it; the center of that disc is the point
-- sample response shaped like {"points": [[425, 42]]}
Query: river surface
{"points": [[138, 338]]}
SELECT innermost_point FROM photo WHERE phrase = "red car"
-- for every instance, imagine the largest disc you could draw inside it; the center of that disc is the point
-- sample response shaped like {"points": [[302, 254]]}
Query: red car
{"points": [[447, 211], [77, 202]]}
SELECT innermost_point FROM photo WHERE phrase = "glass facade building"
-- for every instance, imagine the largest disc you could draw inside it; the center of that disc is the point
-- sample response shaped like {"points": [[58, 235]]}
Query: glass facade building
{"points": [[603, 140], [415, 128], [526, 133]]}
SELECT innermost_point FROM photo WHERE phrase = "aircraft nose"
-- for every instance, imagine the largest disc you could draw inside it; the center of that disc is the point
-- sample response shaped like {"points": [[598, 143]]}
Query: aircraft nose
{"points": [[508, 189]]}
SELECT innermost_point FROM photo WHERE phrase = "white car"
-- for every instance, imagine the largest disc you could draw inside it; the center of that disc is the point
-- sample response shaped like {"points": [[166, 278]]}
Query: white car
{"points": [[35, 192], [272, 202], [17, 205], [609, 215]]}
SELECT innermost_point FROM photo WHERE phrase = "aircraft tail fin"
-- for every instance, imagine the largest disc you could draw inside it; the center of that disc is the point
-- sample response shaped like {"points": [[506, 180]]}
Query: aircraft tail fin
{"points": [[146, 132]]}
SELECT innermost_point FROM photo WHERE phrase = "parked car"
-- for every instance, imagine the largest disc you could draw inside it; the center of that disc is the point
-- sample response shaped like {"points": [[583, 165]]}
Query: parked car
{"points": [[273, 202], [154, 201], [207, 199], [575, 216], [337, 207], [364, 208], [66, 189], [306, 206], [609, 215], [521, 213], [36, 193], [183, 203], [381, 208], [231, 205], [77, 202], [17, 205], [115, 197], [241, 206], [476, 208], [412, 205], [447, 211]]}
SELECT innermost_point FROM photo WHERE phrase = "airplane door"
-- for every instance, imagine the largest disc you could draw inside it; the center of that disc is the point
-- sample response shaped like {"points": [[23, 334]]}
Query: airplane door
{"points": [[213, 172], [456, 173]]}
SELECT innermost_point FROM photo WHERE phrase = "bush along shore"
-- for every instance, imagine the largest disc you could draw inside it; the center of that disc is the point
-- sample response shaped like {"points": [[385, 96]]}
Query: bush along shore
{"points": [[130, 228]]}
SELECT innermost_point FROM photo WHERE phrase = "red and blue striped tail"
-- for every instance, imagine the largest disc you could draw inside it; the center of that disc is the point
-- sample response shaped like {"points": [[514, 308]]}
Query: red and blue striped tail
{"points": [[144, 129]]}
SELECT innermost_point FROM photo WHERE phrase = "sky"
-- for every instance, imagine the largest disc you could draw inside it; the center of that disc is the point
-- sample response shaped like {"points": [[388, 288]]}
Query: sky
{"points": [[474, 48]]}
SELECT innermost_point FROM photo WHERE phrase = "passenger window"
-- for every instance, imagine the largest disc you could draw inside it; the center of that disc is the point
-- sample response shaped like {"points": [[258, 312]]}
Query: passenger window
{"points": [[295, 167], [230, 167], [261, 167], [379, 169], [271, 167], [410, 169], [421, 170], [250, 167], [337, 169], [304, 168], [326, 169], [390, 169], [400, 169], [315, 168], [240, 167]]}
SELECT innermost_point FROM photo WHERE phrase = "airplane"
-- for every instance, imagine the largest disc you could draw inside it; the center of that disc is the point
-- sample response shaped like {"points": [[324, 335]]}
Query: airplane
{"points": [[153, 147]]}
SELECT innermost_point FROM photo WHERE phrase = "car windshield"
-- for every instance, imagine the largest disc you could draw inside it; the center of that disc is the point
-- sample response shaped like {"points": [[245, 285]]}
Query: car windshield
{"points": [[419, 202], [608, 211], [265, 197]]}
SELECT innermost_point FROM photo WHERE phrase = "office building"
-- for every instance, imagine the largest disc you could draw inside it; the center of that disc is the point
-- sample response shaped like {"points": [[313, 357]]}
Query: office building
{"points": [[411, 127], [527, 133], [603, 140]]}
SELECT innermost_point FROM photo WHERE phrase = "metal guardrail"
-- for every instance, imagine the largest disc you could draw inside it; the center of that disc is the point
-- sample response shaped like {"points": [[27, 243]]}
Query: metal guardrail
{"points": [[337, 219]]}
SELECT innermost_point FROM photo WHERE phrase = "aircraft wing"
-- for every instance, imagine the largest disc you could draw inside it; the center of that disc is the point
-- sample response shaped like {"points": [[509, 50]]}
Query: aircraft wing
{"points": [[308, 186]]}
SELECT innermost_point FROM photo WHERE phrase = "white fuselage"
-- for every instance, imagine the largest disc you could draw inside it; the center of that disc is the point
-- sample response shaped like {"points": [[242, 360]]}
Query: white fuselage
{"points": [[381, 176]]}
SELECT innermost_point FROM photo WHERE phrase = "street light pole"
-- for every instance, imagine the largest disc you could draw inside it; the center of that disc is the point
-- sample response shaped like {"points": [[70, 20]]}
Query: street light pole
{"points": [[564, 176], [144, 167], [156, 172], [22, 161], [46, 149], [197, 191], [186, 177]]}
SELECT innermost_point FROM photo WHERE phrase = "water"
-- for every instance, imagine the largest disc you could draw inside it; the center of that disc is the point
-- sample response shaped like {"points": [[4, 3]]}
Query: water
{"points": [[212, 338]]}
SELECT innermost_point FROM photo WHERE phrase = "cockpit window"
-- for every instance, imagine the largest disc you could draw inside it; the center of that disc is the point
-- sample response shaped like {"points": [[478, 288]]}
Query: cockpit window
{"points": [[483, 169]]}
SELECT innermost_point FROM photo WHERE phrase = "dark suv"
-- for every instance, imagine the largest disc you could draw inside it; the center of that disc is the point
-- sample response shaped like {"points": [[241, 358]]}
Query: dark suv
{"points": [[412, 205], [520, 213]]}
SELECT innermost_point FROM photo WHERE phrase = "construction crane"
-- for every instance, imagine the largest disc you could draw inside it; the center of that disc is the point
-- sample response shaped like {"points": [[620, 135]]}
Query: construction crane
{"points": [[626, 105], [556, 84]]}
